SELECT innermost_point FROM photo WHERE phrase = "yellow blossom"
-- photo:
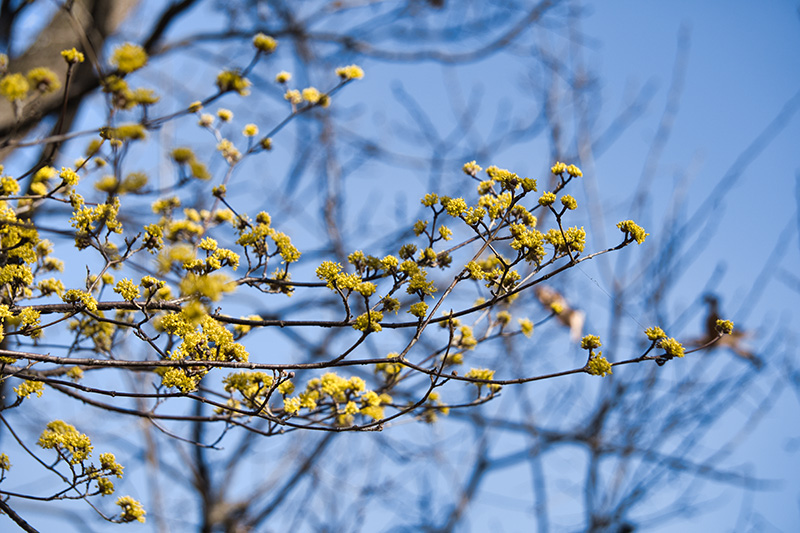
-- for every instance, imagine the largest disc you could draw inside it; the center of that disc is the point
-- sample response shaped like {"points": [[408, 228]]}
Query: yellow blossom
{"points": [[724, 326], [63, 437], [569, 202], [471, 168], [43, 80], [526, 326], [655, 333], [128, 57], [14, 87], [672, 347], [232, 80], [8, 186], [547, 198], [485, 374], [598, 366], [225, 115], [293, 96], [72, 56], [264, 43], [632, 231], [131, 510], [419, 309], [590, 342], [350, 72], [311, 95], [127, 289], [26, 388], [574, 171]]}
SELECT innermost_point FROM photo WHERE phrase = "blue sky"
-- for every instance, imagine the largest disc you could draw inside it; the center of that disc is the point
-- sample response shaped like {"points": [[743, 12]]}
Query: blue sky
{"points": [[742, 76], [742, 70]]}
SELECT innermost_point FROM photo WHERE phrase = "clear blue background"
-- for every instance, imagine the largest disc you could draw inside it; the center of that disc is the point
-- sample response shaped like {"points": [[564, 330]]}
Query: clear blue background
{"points": [[742, 73]]}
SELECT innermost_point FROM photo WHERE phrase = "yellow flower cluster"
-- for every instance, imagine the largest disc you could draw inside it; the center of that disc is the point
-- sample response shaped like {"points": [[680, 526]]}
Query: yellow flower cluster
{"points": [[293, 96], [342, 392], [419, 309], [128, 58], [127, 289], [575, 239], [232, 80], [547, 198], [368, 322], [454, 206], [14, 87], [509, 181], [41, 178], [286, 387], [724, 326], [632, 231], [418, 279], [496, 205], [84, 219], [124, 132], [574, 171], [76, 447], [69, 176], [211, 342], [372, 404], [229, 151], [598, 366], [471, 169], [483, 373], [655, 333], [253, 387], [51, 286], [265, 43], [331, 273], [72, 56], [466, 339], [350, 72], [75, 296], [75, 373], [29, 316], [529, 242], [44, 80], [286, 249], [311, 95], [184, 155], [21, 247], [131, 510], [590, 342], [26, 388], [526, 326], [569, 202], [672, 347], [473, 215], [225, 115], [211, 286]]}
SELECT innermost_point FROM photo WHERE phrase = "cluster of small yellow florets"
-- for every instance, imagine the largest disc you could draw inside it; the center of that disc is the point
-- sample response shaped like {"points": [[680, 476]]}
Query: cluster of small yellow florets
{"points": [[346, 397], [597, 364], [483, 374]]}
